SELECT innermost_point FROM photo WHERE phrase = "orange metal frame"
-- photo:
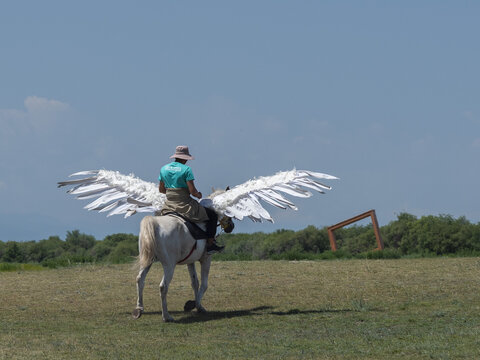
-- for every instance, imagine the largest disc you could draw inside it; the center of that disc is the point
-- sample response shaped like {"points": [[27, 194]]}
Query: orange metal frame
{"points": [[376, 229]]}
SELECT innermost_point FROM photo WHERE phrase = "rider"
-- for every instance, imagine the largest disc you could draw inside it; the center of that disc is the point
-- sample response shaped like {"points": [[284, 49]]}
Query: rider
{"points": [[176, 181]]}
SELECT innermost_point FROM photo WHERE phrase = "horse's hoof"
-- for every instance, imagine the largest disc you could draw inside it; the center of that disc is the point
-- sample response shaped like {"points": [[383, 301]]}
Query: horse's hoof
{"points": [[189, 305], [137, 313], [201, 310], [169, 320]]}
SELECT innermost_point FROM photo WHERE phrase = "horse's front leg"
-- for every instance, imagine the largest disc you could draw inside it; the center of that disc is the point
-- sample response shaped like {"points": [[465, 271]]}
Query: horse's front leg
{"points": [[204, 270], [167, 278], [140, 285], [190, 305]]}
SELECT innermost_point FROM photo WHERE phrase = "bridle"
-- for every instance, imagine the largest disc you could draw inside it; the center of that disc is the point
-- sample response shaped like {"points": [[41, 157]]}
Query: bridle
{"points": [[226, 223]]}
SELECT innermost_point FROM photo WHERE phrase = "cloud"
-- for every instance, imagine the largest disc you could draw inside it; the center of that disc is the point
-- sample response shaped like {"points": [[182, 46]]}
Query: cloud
{"points": [[43, 113], [39, 116], [2, 185], [35, 104], [476, 143]]}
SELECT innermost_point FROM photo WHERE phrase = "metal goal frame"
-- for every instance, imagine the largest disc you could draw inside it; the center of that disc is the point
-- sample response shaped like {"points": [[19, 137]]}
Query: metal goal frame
{"points": [[376, 229]]}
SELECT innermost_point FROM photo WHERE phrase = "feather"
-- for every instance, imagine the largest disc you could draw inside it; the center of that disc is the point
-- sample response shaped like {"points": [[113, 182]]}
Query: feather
{"points": [[105, 200], [95, 194], [311, 184], [78, 181], [90, 189], [138, 202], [317, 175], [83, 173], [120, 209], [260, 210], [269, 200], [293, 190], [109, 207], [277, 197], [233, 212]]}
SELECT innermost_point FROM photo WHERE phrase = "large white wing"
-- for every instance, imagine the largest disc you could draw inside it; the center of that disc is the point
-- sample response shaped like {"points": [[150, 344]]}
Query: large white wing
{"points": [[244, 200], [115, 192]]}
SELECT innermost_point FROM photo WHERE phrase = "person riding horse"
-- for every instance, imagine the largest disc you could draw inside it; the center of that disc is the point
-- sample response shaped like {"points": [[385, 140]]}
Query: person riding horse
{"points": [[165, 238], [176, 181]]}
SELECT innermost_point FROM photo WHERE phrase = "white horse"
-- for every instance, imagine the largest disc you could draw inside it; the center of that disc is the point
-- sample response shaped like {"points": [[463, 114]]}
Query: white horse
{"points": [[168, 240]]}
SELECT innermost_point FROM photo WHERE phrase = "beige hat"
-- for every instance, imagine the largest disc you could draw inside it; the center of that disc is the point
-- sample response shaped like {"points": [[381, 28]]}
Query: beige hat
{"points": [[181, 152]]}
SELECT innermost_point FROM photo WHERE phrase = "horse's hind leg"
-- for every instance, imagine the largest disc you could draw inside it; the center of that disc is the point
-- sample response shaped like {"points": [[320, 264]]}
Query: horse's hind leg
{"points": [[167, 278], [140, 285]]}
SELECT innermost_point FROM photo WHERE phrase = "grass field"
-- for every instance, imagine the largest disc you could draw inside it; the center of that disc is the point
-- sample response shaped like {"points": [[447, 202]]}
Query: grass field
{"points": [[345, 309]]}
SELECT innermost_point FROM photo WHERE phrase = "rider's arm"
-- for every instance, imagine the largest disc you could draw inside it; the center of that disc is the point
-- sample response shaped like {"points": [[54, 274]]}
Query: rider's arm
{"points": [[193, 190], [161, 187]]}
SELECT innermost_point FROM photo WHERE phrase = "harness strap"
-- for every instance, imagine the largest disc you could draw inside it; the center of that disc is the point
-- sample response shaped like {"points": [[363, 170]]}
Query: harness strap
{"points": [[190, 253]]}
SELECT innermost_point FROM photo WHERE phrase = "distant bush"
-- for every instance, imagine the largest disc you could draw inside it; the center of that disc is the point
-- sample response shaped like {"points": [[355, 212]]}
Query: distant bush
{"points": [[332, 255], [440, 235], [67, 260], [124, 252], [78, 248], [14, 253], [380, 254], [407, 236]]}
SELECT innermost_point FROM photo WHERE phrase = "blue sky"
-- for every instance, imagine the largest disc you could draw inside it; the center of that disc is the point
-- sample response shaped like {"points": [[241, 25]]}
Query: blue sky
{"points": [[384, 95]]}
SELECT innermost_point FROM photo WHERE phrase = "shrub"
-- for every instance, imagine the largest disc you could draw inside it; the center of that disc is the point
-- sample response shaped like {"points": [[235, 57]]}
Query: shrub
{"points": [[380, 254], [114, 239], [124, 252], [13, 253], [100, 251], [76, 240]]}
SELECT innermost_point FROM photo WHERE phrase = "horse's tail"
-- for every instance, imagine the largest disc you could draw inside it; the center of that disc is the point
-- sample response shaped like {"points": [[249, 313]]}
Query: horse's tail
{"points": [[146, 242]]}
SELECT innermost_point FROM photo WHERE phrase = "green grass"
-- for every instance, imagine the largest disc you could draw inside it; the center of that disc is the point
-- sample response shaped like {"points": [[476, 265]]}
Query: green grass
{"points": [[342, 309], [20, 267]]}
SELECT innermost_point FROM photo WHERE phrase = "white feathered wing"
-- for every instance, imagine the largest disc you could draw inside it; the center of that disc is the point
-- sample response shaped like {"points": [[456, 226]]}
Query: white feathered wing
{"points": [[127, 194], [244, 200], [115, 192]]}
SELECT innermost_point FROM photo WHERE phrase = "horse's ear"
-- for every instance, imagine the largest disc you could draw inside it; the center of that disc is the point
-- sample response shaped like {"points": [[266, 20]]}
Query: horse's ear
{"points": [[228, 188]]}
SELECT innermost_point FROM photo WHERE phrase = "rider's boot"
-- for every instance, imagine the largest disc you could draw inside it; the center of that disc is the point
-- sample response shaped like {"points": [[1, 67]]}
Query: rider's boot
{"points": [[213, 248]]}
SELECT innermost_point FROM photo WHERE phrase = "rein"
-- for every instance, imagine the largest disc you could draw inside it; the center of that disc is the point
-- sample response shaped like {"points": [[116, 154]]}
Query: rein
{"points": [[190, 253]]}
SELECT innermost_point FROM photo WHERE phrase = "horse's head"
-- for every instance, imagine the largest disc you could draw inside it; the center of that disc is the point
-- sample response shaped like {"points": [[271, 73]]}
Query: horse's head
{"points": [[227, 224]]}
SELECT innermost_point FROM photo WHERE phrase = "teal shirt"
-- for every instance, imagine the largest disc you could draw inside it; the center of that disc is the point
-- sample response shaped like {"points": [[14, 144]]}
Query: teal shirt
{"points": [[175, 175]]}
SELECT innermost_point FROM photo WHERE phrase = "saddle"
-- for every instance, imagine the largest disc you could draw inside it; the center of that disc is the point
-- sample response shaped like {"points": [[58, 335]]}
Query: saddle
{"points": [[196, 231]]}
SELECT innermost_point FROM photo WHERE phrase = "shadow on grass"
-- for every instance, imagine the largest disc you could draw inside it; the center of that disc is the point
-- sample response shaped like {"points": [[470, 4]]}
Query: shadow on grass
{"points": [[302, 312], [194, 317]]}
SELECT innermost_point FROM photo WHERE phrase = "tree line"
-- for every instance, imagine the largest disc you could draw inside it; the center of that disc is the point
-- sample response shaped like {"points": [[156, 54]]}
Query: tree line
{"points": [[405, 236], [76, 248]]}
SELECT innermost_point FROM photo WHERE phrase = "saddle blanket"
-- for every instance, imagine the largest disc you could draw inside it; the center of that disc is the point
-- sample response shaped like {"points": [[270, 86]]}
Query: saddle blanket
{"points": [[196, 231]]}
